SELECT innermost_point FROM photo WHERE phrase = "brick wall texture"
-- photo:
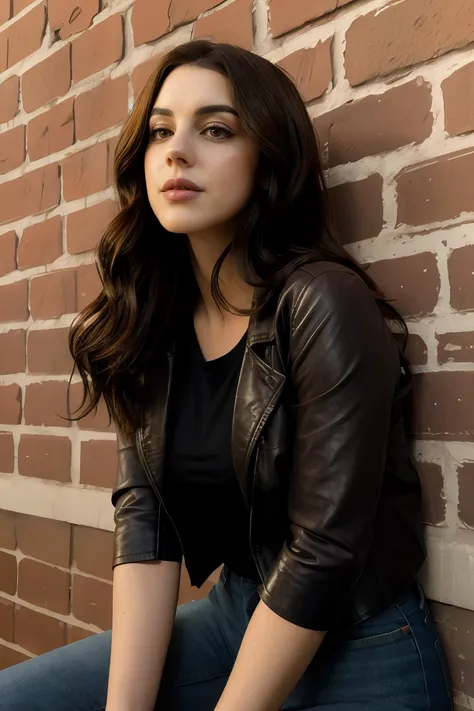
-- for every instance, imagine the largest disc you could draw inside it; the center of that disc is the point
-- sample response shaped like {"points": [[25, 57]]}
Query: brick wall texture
{"points": [[389, 85]]}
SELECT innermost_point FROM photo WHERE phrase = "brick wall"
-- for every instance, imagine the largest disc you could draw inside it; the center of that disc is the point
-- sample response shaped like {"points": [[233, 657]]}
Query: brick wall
{"points": [[390, 87]]}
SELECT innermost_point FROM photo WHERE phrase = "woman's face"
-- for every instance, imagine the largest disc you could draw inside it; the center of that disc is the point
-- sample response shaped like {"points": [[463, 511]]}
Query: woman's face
{"points": [[196, 135]]}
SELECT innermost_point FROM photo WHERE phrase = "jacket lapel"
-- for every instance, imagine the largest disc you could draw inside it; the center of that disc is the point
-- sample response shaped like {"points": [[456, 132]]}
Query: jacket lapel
{"points": [[258, 391], [152, 435]]}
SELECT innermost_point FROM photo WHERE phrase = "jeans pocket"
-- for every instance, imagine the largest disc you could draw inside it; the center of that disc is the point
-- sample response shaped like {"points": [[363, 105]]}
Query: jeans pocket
{"points": [[376, 640]]}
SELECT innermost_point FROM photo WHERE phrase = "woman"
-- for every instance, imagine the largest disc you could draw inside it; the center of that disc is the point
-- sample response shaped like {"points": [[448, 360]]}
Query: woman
{"points": [[258, 394]]}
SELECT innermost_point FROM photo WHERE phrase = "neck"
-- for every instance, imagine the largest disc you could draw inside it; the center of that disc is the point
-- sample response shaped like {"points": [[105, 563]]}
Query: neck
{"points": [[206, 249]]}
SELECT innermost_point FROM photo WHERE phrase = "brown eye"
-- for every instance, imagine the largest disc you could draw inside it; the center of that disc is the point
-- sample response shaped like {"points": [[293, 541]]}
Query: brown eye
{"points": [[217, 131], [160, 132]]}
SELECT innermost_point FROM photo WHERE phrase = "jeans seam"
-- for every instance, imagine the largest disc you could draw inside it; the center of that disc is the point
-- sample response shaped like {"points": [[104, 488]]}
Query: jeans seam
{"points": [[428, 700]]}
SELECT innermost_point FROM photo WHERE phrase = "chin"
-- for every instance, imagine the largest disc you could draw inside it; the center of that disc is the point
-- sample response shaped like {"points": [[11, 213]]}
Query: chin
{"points": [[184, 222], [183, 226]]}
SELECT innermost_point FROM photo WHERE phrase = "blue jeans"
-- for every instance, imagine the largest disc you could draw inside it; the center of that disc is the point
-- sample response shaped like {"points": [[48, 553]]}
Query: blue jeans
{"points": [[391, 662]]}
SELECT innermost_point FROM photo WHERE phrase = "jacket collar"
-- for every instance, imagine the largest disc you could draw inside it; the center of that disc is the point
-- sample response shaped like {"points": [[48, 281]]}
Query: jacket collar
{"points": [[259, 386]]}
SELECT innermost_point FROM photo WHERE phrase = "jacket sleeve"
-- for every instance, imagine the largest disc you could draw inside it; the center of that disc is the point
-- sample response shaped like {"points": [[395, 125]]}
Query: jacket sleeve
{"points": [[344, 372], [143, 530]]}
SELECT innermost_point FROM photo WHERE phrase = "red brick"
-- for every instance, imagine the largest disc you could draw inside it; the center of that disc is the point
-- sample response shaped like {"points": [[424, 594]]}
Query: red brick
{"points": [[5, 11], [3, 51], [66, 17], [9, 657], [7, 611], [14, 301], [99, 463], [101, 107], [51, 131], [141, 73], [8, 573], [459, 103], [417, 350], [310, 69], [12, 352], [7, 528], [466, 493], [44, 585], [8, 252], [46, 406], [88, 171], [286, 16], [9, 98], [412, 283], [41, 243], [456, 628], [86, 540], [76, 634], [44, 538], [185, 11], [88, 285], [25, 36], [405, 33], [12, 149], [48, 352], [376, 124], [92, 601], [34, 192], [45, 457], [149, 21], [434, 500], [36, 632], [437, 190], [98, 422], [461, 278], [7, 455], [111, 149], [443, 406], [84, 228], [358, 208], [19, 5], [47, 80], [232, 24], [98, 48], [53, 294], [456, 347], [10, 404]]}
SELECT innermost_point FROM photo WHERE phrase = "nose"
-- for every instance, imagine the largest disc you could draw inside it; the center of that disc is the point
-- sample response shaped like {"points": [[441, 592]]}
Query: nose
{"points": [[179, 150]]}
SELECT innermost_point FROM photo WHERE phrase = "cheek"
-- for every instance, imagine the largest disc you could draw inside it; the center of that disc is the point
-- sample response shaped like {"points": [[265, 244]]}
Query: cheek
{"points": [[236, 176]]}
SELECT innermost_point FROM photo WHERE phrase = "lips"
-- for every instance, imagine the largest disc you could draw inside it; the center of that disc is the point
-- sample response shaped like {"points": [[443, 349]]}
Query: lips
{"points": [[180, 184]]}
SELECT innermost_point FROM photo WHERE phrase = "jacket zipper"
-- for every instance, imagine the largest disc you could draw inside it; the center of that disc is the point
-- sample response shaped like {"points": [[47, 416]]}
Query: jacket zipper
{"points": [[154, 486]]}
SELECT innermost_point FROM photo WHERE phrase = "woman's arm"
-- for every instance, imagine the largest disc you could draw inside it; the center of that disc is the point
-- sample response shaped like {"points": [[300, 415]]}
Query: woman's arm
{"points": [[344, 373], [145, 596], [272, 658]]}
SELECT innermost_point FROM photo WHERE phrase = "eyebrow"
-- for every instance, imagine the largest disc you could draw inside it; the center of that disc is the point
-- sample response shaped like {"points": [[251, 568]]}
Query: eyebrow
{"points": [[201, 111]]}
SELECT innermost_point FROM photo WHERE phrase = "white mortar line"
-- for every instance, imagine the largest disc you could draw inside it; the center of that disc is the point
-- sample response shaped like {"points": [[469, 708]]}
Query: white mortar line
{"points": [[71, 207], [81, 505], [261, 23], [466, 702]]}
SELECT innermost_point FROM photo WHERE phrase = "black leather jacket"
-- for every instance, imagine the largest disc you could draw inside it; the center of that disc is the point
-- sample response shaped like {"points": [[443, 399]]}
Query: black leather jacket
{"points": [[319, 450]]}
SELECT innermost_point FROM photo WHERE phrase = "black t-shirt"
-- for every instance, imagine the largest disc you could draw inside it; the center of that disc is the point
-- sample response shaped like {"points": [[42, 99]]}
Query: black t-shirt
{"points": [[201, 487]]}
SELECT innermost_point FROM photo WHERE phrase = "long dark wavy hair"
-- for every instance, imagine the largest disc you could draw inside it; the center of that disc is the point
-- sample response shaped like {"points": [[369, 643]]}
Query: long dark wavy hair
{"points": [[148, 284]]}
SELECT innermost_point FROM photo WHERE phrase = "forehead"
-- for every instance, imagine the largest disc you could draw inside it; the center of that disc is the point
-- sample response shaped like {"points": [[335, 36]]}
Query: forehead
{"points": [[188, 87]]}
